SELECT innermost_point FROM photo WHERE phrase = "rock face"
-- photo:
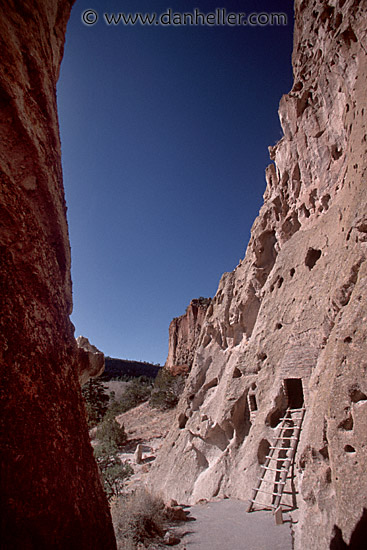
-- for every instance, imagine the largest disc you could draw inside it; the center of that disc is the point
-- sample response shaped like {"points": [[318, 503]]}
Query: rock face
{"points": [[51, 495], [183, 337], [295, 308], [90, 360]]}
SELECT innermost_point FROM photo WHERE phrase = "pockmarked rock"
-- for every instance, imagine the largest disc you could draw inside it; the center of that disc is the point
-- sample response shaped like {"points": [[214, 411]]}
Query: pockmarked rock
{"points": [[50, 490], [287, 327]]}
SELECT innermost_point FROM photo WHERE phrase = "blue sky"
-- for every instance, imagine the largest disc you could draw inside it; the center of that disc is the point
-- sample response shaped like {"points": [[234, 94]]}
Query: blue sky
{"points": [[164, 133]]}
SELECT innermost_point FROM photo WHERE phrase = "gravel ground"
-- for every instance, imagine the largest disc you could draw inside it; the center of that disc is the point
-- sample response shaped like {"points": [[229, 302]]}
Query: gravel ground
{"points": [[225, 525]]}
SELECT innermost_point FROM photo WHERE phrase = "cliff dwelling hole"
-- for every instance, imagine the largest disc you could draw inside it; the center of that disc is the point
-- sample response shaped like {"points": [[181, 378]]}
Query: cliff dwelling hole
{"points": [[349, 36], [212, 384], [263, 451], [338, 20], [348, 340], [356, 395], [252, 402], [280, 282], [349, 449], [294, 392], [346, 424], [292, 272], [312, 256], [278, 326], [182, 419], [336, 153], [240, 419], [266, 253], [325, 201], [324, 452], [236, 373]]}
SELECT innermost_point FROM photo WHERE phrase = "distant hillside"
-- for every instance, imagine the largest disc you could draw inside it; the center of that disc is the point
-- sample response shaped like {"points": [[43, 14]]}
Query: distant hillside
{"points": [[122, 367]]}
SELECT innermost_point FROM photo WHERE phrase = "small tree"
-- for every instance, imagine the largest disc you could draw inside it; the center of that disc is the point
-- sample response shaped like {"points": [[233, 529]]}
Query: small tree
{"points": [[96, 401], [167, 390], [111, 437]]}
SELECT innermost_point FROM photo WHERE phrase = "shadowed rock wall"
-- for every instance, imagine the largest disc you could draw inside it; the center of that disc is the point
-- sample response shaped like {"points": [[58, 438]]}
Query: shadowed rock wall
{"points": [[296, 306], [51, 496]]}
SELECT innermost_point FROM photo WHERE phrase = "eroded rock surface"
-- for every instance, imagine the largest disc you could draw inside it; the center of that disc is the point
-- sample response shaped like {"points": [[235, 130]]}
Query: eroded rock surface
{"points": [[51, 495], [184, 334], [91, 361], [295, 307]]}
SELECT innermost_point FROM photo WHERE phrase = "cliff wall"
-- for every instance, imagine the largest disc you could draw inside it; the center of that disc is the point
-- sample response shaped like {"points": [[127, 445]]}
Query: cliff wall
{"points": [[51, 495], [295, 307], [184, 334]]}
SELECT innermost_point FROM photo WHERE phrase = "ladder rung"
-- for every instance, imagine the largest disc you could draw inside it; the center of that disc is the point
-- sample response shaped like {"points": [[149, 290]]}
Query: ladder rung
{"points": [[277, 458], [261, 503], [288, 437], [271, 481], [269, 493], [275, 469], [301, 409], [280, 448], [289, 428]]}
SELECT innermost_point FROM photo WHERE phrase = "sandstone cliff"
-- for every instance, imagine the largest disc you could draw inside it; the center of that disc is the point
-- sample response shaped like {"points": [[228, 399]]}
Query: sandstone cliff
{"points": [[90, 360], [295, 308], [183, 336], [51, 495]]}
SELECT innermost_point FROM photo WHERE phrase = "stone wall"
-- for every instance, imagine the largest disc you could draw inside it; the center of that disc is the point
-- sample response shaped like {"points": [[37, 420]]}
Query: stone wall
{"points": [[295, 307], [51, 495]]}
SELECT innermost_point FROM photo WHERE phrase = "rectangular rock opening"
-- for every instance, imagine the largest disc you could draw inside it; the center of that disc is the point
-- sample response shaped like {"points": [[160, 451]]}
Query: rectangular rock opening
{"points": [[252, 403], [294, 392]]}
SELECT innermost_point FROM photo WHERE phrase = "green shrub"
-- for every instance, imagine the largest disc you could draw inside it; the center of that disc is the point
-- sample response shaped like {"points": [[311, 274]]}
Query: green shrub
{"points": [[111, 435], [113, 471], [111, 438], [167, 390]]}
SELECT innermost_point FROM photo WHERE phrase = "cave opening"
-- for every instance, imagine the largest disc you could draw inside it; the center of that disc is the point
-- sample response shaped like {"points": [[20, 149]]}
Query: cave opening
{"points": [[252, 402], [294, 392]]}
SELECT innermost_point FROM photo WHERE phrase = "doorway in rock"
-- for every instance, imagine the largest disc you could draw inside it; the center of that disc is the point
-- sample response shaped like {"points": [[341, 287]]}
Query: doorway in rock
{"points": [[252, 402], [294, 392]]}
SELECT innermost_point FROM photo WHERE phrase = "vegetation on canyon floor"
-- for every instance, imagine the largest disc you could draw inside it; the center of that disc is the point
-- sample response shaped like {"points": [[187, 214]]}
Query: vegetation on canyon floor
{"points": [[138, 518], [103, 407]]}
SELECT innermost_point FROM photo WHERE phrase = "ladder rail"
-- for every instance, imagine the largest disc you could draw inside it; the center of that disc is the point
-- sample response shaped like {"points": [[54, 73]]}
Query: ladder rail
{"points": [[274, 451]]}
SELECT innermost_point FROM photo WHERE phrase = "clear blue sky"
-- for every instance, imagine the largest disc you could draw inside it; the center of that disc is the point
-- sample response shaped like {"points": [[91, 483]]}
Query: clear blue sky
{"points": [[164, 133]]}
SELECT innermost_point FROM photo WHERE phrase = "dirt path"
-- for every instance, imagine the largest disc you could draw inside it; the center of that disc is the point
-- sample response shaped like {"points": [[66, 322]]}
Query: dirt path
{"points": [[225, 525]]}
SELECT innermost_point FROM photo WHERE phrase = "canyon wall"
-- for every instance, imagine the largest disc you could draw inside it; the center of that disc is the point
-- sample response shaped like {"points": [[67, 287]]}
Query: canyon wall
{"points": [[184, 332], [295, 307], [51, 495]]}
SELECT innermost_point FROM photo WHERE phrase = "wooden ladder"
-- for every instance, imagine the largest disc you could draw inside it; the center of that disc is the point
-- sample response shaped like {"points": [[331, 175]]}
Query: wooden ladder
{"points": [[274, 471]]}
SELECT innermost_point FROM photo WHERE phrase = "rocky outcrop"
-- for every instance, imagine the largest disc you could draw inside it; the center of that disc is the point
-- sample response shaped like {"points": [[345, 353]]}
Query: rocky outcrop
{"points": [[51, 495], [295, 308], [183, 336], [90, 362]]}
